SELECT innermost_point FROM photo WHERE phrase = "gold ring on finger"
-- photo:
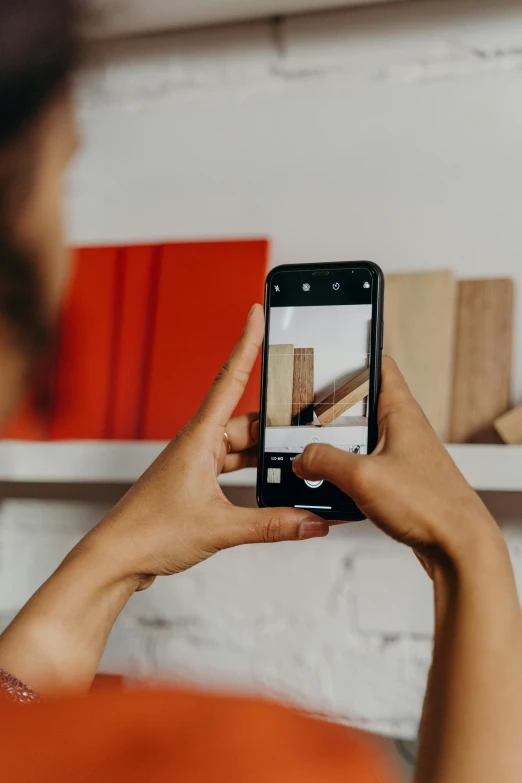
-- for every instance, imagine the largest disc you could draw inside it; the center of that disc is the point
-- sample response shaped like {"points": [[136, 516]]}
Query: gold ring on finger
{"points": [[227, 442]]}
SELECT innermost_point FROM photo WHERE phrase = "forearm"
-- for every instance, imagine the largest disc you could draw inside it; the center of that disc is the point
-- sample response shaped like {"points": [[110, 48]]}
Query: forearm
{"points": [[472, 719], [56, 642]]}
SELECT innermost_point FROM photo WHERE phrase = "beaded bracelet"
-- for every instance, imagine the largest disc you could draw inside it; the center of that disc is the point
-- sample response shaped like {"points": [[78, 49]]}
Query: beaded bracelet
{"points": [[15, 691]]}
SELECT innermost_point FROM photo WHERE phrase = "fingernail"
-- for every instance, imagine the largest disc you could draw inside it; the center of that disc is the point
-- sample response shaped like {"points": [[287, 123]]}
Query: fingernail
{"points": [[251, 310], [296, 465], [313, 528]]}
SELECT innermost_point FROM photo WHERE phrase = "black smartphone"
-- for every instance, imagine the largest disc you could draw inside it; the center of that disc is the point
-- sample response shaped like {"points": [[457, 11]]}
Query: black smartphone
{"points": [[320, 378]]}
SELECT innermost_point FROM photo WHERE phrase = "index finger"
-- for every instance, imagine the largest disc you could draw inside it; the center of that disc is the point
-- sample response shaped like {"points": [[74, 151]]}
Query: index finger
{"points": [[227, 390]]}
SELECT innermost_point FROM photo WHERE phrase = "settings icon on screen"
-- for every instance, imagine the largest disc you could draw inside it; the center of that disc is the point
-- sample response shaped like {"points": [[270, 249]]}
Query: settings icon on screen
{"points": [[306, 286]]}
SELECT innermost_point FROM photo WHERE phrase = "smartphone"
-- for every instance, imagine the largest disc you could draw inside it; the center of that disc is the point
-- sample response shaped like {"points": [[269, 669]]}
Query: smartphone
{"points": [[320, 377]]}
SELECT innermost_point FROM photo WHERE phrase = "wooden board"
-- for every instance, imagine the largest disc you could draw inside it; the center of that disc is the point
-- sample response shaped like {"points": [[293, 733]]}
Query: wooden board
{"points": [[280, 384], [483, 356], [509, 426], [303, 387], [419, 323], [344, 398]]}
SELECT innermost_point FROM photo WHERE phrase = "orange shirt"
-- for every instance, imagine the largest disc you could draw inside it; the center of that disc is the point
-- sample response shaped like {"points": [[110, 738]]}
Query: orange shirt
{"points": [[180, 736]]}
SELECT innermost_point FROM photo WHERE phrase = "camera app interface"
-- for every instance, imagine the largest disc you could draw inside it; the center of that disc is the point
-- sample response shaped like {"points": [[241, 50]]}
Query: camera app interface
{"points": [[318, 378]]}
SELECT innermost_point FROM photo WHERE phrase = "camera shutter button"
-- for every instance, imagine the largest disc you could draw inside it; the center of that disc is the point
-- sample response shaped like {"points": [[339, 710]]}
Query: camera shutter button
{"points": [[313, 484]]}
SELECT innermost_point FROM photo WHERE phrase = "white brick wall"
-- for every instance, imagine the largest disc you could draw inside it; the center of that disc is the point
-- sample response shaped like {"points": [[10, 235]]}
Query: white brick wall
{"points": [[392, 133], [277, 619], [288, 620]]}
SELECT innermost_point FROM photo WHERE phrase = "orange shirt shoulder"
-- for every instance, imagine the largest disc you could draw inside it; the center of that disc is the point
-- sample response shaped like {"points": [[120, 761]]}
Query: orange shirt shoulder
{"points": [[176, 735]]}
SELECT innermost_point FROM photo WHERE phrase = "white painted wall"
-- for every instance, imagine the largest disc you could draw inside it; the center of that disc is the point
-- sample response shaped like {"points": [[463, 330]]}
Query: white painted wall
{"points": [[390, 133]]}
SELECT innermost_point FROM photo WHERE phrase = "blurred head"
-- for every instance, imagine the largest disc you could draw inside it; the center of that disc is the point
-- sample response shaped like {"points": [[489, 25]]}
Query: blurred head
{"points": [[38, 52]]}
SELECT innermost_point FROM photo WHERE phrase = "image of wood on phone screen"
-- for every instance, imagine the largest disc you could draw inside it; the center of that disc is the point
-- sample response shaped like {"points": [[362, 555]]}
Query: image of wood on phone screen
{"points": [[318, 377]]}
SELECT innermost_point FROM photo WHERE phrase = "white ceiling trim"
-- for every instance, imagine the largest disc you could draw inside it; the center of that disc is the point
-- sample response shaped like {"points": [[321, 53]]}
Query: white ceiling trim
{"points": [[118, 18]]}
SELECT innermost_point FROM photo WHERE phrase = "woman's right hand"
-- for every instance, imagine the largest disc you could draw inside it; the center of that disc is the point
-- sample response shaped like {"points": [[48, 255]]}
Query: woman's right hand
{"points": [[409, 486]]}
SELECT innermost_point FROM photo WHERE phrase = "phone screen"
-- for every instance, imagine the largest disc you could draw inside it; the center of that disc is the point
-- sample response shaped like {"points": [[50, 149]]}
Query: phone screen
{"points": [[318, 377]]}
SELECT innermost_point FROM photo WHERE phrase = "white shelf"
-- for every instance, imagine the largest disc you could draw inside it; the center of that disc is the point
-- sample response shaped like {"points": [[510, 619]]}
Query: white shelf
{"points": [[121, 462], [495, 468], [87, 462]]}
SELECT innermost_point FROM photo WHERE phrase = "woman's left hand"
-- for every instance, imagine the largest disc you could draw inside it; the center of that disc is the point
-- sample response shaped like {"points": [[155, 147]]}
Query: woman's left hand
{"points": [[176, 515]]}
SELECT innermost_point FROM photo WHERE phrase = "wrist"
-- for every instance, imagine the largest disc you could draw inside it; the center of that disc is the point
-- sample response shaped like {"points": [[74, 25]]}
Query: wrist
{"points": [[470, 534], [475, 547], [56, 641], [102, 566], [476, 584]]}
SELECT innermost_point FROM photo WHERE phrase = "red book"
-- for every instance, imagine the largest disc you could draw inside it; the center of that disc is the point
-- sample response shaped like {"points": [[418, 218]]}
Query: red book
{"points": [[205, 292], [86, 350], [137, 274]]}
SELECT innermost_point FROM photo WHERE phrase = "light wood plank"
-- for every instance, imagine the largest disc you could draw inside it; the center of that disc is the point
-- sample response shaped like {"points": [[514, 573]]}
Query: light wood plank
{"points": [[483, 356], [419, 323], [509, 426], [280, 384], [343, 399], [303, 388]]}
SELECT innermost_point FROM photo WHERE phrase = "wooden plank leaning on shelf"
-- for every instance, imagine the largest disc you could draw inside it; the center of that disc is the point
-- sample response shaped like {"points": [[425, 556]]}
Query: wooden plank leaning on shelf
{"points": [[303, 390], [509, 426], [482, 362], [280, 385], [419, 318], [343, 399]]}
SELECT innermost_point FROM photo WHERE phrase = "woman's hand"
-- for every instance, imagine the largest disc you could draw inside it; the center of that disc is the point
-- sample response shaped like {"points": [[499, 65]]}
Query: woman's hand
{"points": [[410, 487], [176, 515]]}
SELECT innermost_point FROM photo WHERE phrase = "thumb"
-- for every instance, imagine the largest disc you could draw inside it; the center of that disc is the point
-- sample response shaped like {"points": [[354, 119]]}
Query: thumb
{"points": [[342, 468], [268, 525]]}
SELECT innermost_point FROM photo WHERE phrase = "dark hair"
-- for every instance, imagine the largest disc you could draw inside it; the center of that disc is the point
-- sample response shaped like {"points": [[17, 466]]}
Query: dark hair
{"points": [[38, 50], [39, 47]]}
